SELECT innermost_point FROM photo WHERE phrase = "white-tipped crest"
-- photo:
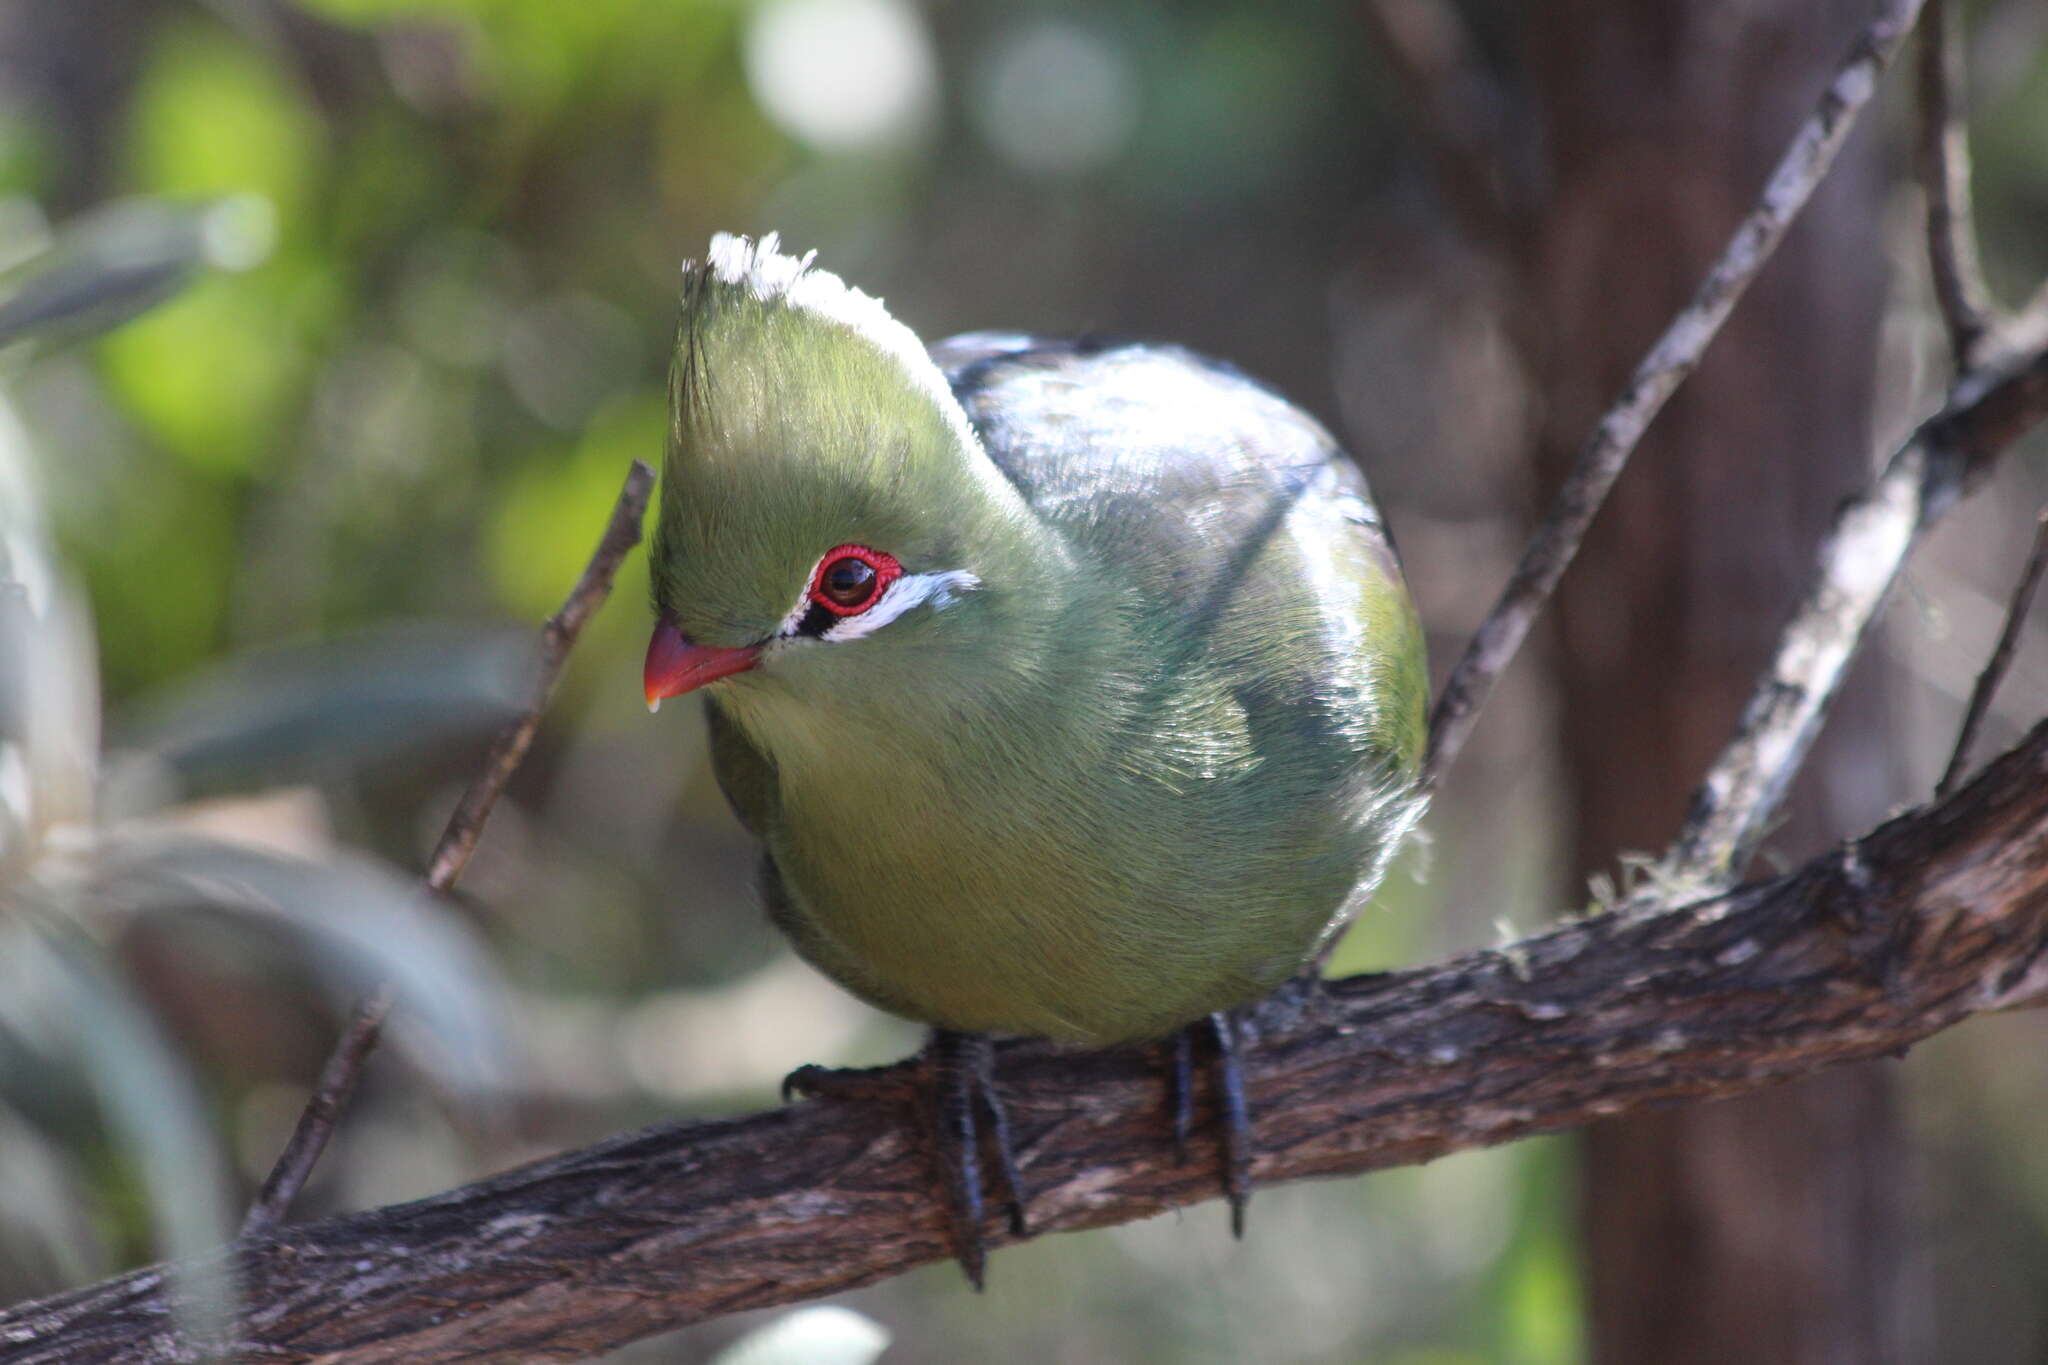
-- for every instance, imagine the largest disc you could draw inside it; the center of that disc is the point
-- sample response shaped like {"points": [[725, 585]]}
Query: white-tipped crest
{"points": [[774, 277]]}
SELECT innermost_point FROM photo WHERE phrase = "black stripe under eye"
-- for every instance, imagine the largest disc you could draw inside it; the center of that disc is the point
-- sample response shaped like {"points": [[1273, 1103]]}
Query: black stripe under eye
{"points": [[817, 621]]}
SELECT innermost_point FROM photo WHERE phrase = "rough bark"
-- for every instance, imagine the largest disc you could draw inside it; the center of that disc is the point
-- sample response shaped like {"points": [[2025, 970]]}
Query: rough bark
{"points": [[1935, 916], [1772, 1227]]}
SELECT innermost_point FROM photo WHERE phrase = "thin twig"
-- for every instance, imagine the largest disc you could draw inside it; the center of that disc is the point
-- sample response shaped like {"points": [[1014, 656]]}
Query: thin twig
{"points": [[458, 841], [1459, 110], [322, 1113], [1938, 915], [2000, 662], [557, 638], [1675, 355], [1859, 562], [1959, 288]]}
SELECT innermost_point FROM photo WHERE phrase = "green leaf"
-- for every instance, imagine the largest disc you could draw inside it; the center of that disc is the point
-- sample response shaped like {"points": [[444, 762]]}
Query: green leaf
{"points": [[59, 999], [307, 711], [360, 923], [121, 260]]}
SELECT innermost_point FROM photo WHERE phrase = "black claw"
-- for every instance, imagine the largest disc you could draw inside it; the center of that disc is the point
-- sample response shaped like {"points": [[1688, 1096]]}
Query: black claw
{"points": [[1180, 1083], [959, 1154], [843, 1083], [1006, 1152], [963, 1076], [961, 1068], [1237, 1120], [800, 1083], [1233, 1113]]}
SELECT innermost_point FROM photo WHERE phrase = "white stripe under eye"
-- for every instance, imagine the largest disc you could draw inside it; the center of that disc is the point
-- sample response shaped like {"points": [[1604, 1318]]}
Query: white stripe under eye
{"points": [[911, 590]]}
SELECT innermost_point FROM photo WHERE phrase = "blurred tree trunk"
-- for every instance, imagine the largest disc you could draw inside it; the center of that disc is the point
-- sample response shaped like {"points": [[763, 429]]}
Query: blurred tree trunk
{"points": [[1768, 1229], [70, 63]]}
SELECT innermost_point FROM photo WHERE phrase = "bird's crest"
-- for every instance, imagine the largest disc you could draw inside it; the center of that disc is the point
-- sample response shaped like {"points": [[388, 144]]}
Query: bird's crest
{"points": [[738, 268]]}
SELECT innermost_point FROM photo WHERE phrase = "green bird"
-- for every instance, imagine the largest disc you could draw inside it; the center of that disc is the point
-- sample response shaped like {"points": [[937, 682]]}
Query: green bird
{"points": [[1070, 686]]}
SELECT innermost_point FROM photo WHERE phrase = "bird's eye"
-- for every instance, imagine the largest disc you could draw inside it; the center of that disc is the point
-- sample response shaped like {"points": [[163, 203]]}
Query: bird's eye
{"points": [[848, 582], [852, 578]]}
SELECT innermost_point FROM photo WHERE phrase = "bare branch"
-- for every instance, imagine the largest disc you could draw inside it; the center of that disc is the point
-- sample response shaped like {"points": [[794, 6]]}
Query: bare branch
{"points": [[557, 637], [2002, 391], [322, 1114], [1959, 288], [451, 854], [1859, 562], [1674, 356], [1459, 109], [1935, 916], [2000, 662]]}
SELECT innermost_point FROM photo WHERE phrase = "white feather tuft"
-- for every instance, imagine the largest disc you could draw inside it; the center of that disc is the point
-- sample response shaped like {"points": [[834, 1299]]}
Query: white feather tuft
{"points": [[774, 277]]}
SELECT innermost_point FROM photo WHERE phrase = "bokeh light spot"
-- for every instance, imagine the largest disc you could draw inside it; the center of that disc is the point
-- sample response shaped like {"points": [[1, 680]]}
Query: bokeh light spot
{"points": [[1055, 98], [842, 75]]}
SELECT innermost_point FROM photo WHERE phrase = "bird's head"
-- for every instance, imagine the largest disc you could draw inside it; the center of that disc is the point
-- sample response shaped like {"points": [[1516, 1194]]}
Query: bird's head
{"points": [[825, 507]]}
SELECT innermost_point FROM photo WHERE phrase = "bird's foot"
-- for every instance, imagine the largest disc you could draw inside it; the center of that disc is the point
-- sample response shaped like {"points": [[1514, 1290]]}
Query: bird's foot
{"points": [[963, 1090], [961, 1094], [1218, 1032]]}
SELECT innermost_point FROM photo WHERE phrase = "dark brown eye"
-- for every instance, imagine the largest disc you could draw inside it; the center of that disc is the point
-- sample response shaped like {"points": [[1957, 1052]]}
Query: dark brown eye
{"points": [[852, 578], [847, 582]]}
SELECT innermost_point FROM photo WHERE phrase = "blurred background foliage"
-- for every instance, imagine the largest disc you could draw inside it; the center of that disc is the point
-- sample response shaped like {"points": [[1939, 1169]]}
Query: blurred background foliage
{"points": [[384, 296]]}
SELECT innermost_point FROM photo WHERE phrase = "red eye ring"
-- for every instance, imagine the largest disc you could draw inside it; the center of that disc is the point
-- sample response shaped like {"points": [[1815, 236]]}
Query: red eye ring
{"points": [[835, 592]]}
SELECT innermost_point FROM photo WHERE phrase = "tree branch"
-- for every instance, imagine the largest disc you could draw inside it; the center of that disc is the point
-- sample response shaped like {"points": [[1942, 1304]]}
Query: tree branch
{"points": [[1675, 355], [2001, 659], [1935, 916], [322, 1114], [1860, 560], [557, 637], [458, 841], [1959, 288]]}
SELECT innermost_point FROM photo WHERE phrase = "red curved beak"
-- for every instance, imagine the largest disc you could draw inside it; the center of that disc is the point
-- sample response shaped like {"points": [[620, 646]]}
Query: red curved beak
{"points": [[675, 666]]}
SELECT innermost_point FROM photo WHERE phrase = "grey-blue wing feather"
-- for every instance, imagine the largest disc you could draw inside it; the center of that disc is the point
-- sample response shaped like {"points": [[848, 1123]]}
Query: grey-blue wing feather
{"points": [[1282, 706], [1218, 503], [1152, 455]]}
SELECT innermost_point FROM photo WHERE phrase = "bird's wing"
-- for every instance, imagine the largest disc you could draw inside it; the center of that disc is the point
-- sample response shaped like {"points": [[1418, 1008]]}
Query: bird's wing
{"points": [[1148, 451], [956, 353], [1234, 515]]}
